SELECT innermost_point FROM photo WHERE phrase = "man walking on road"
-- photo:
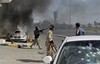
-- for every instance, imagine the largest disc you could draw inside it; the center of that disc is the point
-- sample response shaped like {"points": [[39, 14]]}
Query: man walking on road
{"points": [[36, 34], [51, 47]]}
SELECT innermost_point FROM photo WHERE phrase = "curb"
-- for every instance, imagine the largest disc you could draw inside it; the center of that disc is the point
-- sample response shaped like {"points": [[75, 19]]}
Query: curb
{"points": [[3, 44], [19, 45], [13, 45]]}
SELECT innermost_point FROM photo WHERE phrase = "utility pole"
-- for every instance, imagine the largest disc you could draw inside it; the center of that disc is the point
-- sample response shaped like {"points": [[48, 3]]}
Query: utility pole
{"points": [[70, 13]]}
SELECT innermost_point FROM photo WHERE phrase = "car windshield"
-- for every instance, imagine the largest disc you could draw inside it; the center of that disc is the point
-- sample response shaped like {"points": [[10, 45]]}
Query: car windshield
{"points": [[80, 52]]}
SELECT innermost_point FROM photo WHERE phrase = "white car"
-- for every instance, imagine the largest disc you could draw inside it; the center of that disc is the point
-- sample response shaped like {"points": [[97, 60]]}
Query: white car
{"points": [[19, 37], [77, 50]]}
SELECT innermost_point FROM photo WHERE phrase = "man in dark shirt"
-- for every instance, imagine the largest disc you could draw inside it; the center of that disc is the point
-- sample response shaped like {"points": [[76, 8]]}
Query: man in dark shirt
{"points": [[36, 34]]}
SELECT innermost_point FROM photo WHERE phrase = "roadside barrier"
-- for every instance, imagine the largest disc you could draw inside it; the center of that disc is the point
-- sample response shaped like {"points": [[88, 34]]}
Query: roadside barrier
{"points": [[12, 45], [19, 45]]}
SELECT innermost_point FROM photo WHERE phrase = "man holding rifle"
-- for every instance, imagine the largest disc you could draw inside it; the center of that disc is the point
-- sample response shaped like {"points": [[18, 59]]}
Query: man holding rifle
{"points": [[37, 34]]}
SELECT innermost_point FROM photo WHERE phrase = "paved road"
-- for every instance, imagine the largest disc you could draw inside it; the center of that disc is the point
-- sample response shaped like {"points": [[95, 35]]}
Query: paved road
{"points": [[14, 55]]}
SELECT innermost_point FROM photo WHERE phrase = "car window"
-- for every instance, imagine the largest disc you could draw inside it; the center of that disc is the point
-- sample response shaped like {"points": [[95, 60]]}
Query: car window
{"points": [[80, 52]]}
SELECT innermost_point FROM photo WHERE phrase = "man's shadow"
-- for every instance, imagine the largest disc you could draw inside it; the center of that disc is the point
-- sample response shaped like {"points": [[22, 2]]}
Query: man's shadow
{"points": [[29, 60]]}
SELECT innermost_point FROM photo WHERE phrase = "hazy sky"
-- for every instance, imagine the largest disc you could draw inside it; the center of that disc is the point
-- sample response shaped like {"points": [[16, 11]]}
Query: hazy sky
{"points": [[83, 11]]}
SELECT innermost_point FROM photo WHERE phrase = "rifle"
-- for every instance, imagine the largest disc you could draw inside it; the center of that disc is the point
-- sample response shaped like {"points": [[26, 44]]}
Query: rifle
{"points": [[43, 30]]}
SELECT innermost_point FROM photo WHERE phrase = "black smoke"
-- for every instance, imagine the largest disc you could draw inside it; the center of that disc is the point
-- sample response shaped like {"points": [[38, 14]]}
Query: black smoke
{"points": [[20, 11]]}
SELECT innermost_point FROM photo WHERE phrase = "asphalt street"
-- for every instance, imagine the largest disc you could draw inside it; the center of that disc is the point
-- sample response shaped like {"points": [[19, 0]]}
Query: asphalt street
{"points": [[26, 55], [12, 55]]}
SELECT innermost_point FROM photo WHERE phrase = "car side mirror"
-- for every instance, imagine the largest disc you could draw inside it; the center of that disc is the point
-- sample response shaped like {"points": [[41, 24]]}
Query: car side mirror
{"points": [[47, 59]]}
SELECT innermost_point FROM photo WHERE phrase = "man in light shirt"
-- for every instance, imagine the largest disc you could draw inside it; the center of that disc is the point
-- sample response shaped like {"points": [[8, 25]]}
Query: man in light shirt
{"points": [[49, 41]]}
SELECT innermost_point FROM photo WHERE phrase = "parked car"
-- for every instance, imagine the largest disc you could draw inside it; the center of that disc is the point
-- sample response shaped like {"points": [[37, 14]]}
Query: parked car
{"points": [[77, 50], [19, 37]]}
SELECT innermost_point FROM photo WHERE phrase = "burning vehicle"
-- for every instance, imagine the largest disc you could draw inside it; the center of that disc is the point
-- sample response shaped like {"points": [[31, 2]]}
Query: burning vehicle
{"points": [[19, 36]]}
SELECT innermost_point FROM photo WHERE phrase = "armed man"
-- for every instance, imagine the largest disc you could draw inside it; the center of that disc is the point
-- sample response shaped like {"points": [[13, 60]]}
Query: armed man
{"points": [[37, 34]]}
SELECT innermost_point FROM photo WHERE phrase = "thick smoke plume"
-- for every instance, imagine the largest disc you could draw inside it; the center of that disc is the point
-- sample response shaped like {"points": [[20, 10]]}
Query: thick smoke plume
{"points": [[19, 12], [25, 11]]}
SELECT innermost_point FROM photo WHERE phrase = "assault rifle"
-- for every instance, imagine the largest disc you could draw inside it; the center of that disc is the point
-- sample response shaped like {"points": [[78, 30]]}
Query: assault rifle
{"points": [[43, 30]]}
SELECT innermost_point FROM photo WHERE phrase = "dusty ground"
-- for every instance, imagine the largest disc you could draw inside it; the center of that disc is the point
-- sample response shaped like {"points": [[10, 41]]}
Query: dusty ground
{"points": [[14, 55]]}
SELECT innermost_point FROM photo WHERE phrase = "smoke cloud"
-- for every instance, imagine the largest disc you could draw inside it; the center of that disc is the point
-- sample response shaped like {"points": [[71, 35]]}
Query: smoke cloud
{"points": [[23, 12], [19, 12]]}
